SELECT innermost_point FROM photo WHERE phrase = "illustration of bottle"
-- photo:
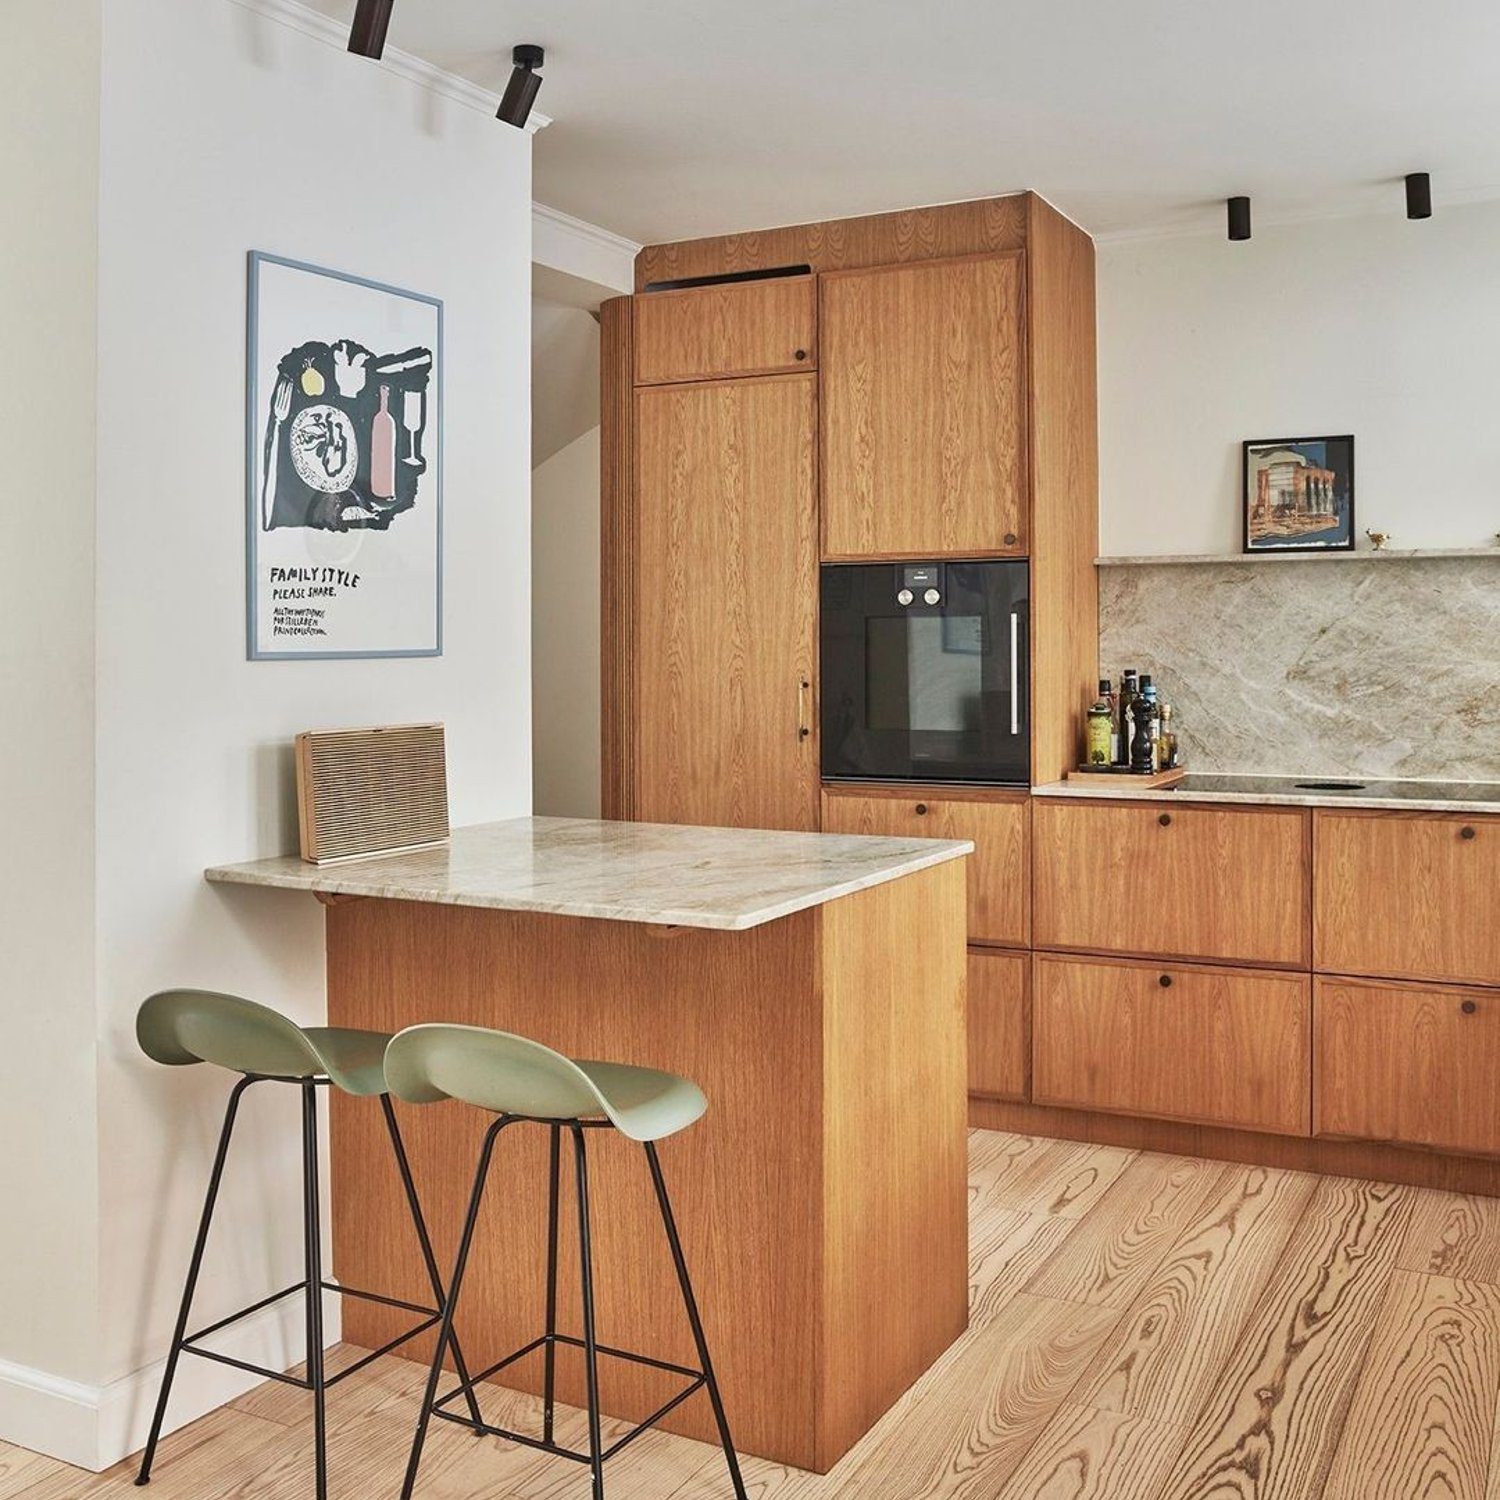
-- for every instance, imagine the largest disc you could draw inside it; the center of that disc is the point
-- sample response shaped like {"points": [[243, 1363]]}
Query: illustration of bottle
{"points": [[383, 450]]}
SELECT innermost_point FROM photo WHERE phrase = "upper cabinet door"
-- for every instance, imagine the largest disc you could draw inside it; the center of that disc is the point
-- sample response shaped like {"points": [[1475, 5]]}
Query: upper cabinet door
{"points": [[726, 584], [738, 328], [924, 409]]}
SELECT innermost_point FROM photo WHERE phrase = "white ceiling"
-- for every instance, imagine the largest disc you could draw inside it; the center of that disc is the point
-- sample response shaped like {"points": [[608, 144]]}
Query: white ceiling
{"points": [[686, 117]]}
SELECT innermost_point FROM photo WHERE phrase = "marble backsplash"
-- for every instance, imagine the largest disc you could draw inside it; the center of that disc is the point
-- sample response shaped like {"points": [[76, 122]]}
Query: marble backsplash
{"points": [[1379, 667]]}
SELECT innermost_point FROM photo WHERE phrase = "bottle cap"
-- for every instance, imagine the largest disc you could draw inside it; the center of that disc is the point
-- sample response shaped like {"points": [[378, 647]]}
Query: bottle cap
{"points": [[1145, 682], [1104, 687]]}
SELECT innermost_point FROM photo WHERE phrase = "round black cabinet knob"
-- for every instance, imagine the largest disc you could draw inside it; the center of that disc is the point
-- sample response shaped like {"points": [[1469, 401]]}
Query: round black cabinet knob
{"points": [[1165, 820], [1469, 1007], [1165, 981], [801, 354], [1010, 539], [1466, 833], [921, 809]]}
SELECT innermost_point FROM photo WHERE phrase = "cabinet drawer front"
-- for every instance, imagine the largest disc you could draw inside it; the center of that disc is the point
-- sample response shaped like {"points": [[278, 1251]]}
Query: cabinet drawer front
{"points": [[999, 869], [741, 328], [1407, 895], [1213, 1046], [1416, 1064], [999, 1023], [1180, 881], [924, 409]]}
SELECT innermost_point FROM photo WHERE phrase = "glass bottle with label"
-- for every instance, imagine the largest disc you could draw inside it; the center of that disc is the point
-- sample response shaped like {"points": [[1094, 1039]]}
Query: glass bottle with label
{"points": [[1100, 731]]}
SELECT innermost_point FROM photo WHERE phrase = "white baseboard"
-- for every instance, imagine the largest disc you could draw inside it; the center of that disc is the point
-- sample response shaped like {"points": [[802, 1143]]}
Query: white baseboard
{"points": [[95, 1426]]}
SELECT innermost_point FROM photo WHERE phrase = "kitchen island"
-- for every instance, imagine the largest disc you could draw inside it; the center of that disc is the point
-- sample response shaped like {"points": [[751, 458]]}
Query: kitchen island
{"points": [[812, 985]]}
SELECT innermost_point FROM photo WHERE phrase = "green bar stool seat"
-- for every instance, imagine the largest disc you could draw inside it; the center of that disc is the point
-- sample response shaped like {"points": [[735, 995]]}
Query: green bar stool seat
{"points": [[181, 1028], [519, 1080]]}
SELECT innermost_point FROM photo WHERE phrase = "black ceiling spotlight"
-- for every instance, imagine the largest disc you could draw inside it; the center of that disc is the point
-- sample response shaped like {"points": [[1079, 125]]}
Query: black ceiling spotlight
{"points": [[520, 93], [371, 20], [1418, 195], [1239, 218]]}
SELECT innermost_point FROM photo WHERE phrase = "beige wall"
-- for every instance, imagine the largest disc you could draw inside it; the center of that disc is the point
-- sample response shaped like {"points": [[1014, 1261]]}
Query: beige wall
{"points": [[49, 173]]}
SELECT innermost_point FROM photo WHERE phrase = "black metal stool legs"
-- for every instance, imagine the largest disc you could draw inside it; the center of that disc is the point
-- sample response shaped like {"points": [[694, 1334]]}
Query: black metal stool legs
{"points": [[403, 1165], [590, 1344], [549, 1355], [312, 1230], [691, 1303], [450, 1303], [179, 1333]]}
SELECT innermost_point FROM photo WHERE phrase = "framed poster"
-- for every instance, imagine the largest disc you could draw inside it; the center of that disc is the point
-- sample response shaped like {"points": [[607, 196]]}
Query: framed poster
{"points": [[1299, 494], [343, 466]]}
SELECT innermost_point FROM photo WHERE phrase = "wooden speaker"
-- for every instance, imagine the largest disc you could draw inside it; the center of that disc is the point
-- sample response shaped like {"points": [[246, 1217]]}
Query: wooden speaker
{"points": [[371, 791]]}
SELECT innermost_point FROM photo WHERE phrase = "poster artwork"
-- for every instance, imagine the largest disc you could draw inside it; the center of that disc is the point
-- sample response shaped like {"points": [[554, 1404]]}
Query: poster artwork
{"points": [[344, 450]]}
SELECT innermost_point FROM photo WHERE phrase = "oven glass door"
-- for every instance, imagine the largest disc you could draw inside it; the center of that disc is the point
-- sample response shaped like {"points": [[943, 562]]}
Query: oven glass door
{"points": [[924, 672]]}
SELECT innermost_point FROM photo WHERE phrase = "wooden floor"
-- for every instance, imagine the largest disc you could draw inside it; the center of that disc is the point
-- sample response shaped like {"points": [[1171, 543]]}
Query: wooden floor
{"points": [[1143, 1328]]}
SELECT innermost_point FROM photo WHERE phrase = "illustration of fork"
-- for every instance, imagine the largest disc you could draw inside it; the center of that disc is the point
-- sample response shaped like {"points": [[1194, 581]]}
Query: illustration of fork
{"points": [[280, 410]]}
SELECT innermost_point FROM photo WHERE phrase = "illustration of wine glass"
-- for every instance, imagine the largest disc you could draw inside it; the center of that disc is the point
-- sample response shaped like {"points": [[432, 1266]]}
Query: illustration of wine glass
{"points": [[412, 403]]}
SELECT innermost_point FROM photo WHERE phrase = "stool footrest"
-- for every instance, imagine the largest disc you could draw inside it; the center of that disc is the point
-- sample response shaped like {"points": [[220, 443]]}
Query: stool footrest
{"points": [[431, 1317], [696, 1379]]}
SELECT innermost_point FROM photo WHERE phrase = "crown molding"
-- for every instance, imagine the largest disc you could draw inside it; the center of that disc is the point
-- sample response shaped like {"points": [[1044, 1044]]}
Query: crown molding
{"points": [[584, 250], [312, 23]]}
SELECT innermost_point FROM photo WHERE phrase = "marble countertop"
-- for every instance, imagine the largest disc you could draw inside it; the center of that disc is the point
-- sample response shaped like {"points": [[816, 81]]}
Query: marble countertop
{"points": [[1300, 791], [724, 878]]}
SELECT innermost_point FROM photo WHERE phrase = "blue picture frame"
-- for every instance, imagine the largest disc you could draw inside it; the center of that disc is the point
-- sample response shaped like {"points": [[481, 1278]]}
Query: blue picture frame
{"points": [[256, 456]]}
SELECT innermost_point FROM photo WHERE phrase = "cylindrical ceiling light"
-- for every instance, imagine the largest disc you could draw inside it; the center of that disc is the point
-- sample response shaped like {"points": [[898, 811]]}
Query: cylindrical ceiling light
{"points": [[1418, 195], [371, 19], [1239, 218], [520, 93]]}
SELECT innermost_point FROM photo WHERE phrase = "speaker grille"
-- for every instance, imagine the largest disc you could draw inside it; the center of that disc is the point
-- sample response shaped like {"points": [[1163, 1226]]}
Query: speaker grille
{"points": [[371, 791]]}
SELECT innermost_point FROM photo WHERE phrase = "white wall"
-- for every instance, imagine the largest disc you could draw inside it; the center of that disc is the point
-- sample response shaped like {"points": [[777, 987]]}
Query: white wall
{"points": [[49, 161], [565, 628], [1379, 326], [222, 131]]}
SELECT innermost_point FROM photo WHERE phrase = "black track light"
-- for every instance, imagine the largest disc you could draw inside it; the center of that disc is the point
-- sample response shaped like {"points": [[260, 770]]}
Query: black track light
{"points": [[1239, 218], [371, 19], [520, 93], [1418, 195]]}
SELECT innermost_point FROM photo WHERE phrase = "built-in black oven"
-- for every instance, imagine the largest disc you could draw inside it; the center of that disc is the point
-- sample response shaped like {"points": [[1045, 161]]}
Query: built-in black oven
{"points": [[925, 672]]}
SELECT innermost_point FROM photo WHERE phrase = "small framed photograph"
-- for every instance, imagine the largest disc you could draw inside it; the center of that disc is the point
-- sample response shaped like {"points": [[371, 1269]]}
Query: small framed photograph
{"points": [[1299, 494]]}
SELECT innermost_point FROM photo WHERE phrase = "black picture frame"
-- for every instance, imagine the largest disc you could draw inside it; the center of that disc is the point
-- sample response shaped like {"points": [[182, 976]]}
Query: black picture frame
{"points": [[1336, 534]]}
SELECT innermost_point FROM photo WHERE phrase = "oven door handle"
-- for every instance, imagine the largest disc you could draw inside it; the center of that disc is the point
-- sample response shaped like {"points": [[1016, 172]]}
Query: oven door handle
{"points": [[1015, 672]]}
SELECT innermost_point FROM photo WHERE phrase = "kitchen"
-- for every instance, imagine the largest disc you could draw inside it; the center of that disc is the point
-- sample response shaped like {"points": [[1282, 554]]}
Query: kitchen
{"points": [[1071, 1129]]}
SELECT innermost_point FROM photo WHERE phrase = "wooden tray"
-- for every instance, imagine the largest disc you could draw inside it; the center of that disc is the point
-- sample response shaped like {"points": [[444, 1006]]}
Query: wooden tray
{"points": [[1142, 781]]}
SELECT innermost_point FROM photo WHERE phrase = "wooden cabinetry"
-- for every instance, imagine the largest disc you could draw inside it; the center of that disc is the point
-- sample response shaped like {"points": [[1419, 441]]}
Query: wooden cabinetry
{"points": [[1185, 881], [1409, 895], [739, 328], [999, 1023], [725, 634], [924, 409], [1210, 1045], [999, 823], [1416, 1064]]}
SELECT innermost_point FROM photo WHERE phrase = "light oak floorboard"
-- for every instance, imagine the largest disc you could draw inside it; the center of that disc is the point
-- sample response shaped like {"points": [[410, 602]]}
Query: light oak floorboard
{"points": [[1270, 1427], [1117, 1245], [1175, 1338], [1234, 1332], [1423, 1415]]}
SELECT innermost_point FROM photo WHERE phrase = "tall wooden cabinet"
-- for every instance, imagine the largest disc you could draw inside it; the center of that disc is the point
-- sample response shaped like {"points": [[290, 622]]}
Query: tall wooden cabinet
{"points": [[911, 385], [726, 538]]}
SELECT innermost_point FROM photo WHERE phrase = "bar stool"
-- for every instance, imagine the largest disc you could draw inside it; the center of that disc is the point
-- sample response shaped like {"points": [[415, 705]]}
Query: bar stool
{"points": [[183, 1027], [521, 1080]]}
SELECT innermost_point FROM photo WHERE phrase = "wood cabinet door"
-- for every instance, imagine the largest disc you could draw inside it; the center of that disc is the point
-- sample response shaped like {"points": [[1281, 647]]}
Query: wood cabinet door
{"points": [[1416, 1064], [999, 1023], [726, 604], [739, 328], [1408, 895], [999, 825], [924, 409], [1209, 1045], [1179, 881]]}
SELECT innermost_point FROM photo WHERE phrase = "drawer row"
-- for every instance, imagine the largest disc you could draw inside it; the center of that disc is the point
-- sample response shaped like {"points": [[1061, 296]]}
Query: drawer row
{"points": [[1384, 894], [1290, 1054]]}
